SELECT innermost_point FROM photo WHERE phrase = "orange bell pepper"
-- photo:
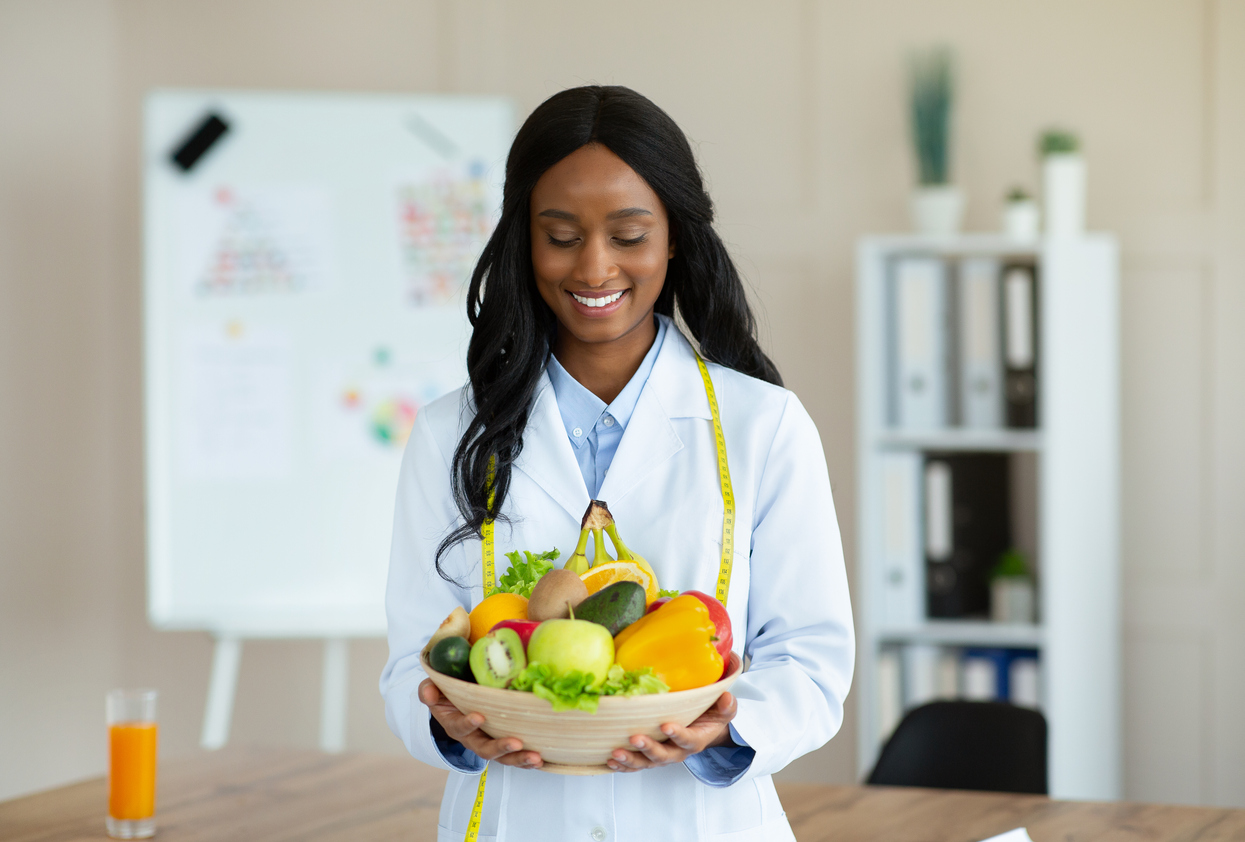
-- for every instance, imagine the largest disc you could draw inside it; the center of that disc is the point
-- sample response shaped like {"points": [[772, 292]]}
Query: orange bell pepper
{"points": [[676, 641]]}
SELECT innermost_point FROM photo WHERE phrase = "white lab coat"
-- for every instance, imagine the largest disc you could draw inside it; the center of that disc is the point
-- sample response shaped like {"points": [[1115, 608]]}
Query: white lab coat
{"points": [[788, 598]]}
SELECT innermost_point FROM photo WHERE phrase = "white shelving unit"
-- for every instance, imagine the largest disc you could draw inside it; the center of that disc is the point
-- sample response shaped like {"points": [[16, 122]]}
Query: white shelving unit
{"points": [[1076, 450]]}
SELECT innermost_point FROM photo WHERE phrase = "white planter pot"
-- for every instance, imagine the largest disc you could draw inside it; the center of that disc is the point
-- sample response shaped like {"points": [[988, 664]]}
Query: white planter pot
{"points": [[938, 210], [1012, 600], [1020, 220], [1063, 188]]}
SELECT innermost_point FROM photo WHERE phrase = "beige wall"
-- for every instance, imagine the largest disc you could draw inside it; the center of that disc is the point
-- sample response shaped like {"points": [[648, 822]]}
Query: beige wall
{"points": [[795, 108]]}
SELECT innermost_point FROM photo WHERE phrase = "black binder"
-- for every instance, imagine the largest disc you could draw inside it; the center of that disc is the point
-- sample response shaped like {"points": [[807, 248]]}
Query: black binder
{"points": [[1020, 344], [976, 530]]}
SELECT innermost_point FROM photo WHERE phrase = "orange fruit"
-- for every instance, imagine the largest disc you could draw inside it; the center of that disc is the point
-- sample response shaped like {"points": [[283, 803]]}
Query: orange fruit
{"points": [[635, 570], [493, 609]]}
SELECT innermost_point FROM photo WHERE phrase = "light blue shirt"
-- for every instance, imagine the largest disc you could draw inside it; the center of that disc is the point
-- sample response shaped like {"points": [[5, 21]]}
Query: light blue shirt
{"points": [[594, 428]]}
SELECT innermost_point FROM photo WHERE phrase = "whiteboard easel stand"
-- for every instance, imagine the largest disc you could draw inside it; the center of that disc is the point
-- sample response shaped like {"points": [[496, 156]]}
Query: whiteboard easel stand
{"points": [[223, 686]]}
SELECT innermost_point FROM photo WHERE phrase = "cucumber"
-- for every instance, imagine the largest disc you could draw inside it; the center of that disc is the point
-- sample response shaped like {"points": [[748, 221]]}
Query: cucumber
{"points": [[615, 607], [452, 657]]}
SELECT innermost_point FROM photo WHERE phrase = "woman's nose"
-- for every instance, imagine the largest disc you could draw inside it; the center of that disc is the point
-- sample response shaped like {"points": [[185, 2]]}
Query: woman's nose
{"points": [[596, 265]]}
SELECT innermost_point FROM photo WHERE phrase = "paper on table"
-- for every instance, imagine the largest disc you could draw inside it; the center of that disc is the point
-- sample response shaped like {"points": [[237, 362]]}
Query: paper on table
{"points": [[1017, 835], [236, 413]]}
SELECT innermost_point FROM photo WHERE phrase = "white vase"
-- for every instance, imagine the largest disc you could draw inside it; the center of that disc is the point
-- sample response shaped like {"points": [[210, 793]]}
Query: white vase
{"points": [[1063, 188], [938, 209], [1011, 600], [1020, 220]]}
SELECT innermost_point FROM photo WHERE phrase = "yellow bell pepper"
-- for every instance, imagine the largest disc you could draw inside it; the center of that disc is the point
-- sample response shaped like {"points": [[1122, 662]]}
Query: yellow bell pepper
{"points": [[676, 641]]}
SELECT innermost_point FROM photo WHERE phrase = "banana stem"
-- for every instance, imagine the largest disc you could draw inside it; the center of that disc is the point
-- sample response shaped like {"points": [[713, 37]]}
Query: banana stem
{"points": [[601, 555], [624, 554], [583, 542]]}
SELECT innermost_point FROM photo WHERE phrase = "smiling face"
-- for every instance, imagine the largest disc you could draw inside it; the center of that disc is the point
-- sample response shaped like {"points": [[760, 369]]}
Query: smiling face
{"points": [[600, 245]]}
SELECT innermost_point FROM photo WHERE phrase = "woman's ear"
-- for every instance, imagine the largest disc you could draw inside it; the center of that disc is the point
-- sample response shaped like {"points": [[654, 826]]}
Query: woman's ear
{"points": [[670, 253]]}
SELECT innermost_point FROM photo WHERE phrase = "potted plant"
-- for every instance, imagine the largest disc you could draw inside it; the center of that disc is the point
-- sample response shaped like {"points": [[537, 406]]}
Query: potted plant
{"points": [[937, 204], [1020, 215], [1063, 183], [1011, 590]]}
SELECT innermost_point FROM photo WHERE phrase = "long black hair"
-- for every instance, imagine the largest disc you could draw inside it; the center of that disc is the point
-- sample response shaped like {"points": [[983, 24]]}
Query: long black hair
{"points": [[513, 330]]}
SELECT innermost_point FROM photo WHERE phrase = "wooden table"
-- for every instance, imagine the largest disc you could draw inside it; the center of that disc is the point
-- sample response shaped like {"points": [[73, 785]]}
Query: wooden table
{"points": [[264, 795]]}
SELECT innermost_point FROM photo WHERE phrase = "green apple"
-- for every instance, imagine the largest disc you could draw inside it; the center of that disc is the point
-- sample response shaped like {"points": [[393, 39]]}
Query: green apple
{"points": [[565, 645]]}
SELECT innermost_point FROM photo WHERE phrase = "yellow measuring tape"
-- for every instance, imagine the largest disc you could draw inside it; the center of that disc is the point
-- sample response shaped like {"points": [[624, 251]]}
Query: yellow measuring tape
{"points": [[728, 493], [724, 569]]}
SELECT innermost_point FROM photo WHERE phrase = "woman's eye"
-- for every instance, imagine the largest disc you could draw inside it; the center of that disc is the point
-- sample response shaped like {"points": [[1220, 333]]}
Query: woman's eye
{"points": [[633, 241], [554, 241]]}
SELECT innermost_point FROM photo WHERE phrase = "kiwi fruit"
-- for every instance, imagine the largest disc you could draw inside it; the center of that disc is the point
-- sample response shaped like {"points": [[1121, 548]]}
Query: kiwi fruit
{"points": [[451, 656], [497, 658], [555, 594]]}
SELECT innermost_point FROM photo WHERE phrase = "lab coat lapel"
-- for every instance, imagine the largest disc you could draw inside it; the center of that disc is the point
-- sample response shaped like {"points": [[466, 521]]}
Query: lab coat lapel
{"points": [[649, 440], [547, 457], [673, 390]]}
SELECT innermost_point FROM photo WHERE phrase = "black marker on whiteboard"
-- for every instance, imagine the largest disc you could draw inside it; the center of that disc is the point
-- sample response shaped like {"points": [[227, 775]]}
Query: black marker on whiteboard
{"points": [[201, 139]]}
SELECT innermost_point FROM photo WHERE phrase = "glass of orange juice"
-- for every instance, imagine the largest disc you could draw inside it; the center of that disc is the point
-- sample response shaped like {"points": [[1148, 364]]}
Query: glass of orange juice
{"points": [[131, 764]]}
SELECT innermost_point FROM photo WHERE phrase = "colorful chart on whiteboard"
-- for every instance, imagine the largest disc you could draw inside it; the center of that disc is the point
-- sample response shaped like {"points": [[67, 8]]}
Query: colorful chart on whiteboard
{"points": [[370, 408], [445, 217], [256, 240]]}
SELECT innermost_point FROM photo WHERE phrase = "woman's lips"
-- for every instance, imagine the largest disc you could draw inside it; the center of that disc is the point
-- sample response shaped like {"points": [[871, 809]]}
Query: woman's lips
{"points": [[603, 302]]}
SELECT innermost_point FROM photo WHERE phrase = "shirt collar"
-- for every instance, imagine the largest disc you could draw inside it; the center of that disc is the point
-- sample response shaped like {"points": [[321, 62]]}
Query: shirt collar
{"points": [[581, 409]]}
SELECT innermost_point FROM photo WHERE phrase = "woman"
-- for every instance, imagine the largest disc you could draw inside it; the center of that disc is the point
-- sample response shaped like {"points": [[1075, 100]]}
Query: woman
{"points": [[582, 387]]}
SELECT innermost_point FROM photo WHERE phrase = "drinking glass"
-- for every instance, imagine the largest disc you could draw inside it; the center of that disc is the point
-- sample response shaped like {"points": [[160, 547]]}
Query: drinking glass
{"points": [[131, 764]]}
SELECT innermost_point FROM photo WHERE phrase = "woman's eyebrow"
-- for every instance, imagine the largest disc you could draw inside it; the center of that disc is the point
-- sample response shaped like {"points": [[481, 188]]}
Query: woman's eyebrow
{"points": [[618, 214], [626, 212], [559, 214]]}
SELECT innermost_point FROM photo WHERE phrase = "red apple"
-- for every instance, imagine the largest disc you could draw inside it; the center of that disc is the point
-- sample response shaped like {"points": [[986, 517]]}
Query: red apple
{"points": [[657, 603], [721, 622], [523, 628]]}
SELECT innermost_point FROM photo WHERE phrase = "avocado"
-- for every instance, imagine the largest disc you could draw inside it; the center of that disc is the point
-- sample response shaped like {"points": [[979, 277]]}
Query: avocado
{"points": [[615, 606], [451, 656]]}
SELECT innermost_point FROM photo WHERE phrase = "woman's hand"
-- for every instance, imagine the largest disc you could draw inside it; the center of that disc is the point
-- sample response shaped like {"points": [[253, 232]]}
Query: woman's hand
{"points": [[711, 728], [465, 727]]}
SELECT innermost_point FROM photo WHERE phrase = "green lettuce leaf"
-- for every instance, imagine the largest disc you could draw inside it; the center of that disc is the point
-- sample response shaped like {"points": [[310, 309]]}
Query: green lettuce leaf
{"points": [[575, 690], [664, 592], [641, 682], [524, 572]]}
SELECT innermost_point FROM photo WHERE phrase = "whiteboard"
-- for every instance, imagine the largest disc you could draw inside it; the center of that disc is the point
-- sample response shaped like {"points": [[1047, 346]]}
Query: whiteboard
{"points": [[304, 288]]}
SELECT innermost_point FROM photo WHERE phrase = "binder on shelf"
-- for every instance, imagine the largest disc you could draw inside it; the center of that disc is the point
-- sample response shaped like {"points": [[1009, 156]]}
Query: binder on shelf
{"points": [[1004, 675], [980, 357], [902, 585], [890, 692], [920, 674], [1020, 346], [919, 344], [967, 528], [1024, 687], [980, 676]]}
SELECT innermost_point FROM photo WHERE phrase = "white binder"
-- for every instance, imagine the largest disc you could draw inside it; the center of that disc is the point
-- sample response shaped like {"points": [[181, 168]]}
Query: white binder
{"points": [[920, 668], [902, 584], [919, 343], [981, 365]]}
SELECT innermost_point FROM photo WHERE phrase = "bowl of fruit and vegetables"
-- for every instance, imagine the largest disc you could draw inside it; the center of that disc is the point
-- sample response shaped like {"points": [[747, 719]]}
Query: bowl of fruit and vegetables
{"points": [[574, 661]]}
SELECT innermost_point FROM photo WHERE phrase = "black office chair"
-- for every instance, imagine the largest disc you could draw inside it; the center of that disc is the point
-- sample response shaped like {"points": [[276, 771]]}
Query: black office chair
{"points": [[990, 746]]}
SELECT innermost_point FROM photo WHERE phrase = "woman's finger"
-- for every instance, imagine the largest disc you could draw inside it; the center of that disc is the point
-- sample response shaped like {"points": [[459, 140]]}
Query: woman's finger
{"points": [[629, 761], [660, 753]]}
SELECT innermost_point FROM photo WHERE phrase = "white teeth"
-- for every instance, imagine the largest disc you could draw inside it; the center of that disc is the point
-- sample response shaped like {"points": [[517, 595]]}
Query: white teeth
{"points": [[597, 302]]}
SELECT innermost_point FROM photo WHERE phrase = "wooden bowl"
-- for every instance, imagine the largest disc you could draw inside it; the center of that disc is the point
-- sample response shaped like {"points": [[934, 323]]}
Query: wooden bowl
{"points": [[572, 742]]}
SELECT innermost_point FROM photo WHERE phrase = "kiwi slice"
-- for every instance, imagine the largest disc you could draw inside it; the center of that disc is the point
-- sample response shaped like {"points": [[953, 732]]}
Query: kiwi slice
{"points": [[497, 658]]}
